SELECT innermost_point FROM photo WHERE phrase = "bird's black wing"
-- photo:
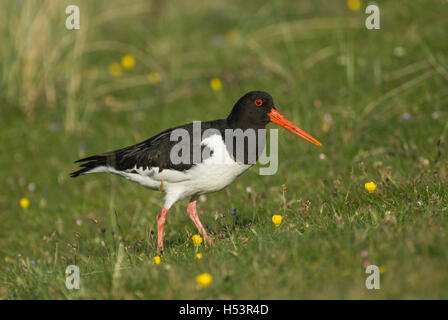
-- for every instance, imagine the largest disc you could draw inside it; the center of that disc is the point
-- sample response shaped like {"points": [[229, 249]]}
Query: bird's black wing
{"points": [[153, 152]]}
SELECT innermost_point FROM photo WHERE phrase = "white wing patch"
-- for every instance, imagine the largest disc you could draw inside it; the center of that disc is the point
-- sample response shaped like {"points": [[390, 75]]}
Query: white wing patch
{"points": [[220, 153], [167, 175]]}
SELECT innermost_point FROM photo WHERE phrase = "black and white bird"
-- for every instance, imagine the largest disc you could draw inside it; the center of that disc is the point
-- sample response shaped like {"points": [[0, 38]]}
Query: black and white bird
{"points": [[150, 164]]}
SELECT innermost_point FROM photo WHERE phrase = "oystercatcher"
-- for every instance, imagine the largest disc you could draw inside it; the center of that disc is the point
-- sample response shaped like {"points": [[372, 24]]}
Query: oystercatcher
{"points": [[150, 163]]}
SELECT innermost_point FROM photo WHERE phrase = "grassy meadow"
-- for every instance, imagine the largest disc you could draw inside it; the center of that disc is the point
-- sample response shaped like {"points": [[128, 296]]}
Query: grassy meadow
{"points": [[376, 99]]}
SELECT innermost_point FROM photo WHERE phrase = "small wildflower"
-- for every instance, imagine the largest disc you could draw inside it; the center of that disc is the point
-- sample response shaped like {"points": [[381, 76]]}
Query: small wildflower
{"points": [[354, 5], [115, 69], [424, 162], [24, 203], [322, 156], [204, 279], [356, 213], [328, 117], [216, 84], [419, 203], [328, 120], [370, 186], [156, 259], [277, 219], [198, 255], [232, 211], [128, 61], [32, 262], [43, 203], [197, 239], [31, 187], [231, 36], [406, 116], [307, 225], [203, 198], [435, 115], [364, 253], [366, 263], [399, 51], [154, 77], [383, 269], [248, 189], [78, 222]]}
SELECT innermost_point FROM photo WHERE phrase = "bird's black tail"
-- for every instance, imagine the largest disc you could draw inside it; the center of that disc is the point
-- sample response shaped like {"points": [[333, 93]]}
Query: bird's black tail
{"points": [[91, 163]]}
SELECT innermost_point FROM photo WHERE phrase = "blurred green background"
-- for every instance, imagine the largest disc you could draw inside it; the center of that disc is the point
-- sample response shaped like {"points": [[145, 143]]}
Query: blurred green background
{"points": [[376, 99]]}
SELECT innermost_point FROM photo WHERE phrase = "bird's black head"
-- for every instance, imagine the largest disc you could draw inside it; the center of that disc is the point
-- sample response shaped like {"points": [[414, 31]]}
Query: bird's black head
{"points": [[251, 110], [256, 109]]}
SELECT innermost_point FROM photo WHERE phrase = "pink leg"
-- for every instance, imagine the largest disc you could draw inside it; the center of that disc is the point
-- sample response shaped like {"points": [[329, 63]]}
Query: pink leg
{"points": [[194, 216], [161, 217]]}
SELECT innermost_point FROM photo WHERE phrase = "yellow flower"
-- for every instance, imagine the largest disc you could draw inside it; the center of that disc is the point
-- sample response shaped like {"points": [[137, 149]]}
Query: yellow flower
{"points": [[277, 219], [204, 279], [383, 269], [156, 259], [354, 5], [307, 225], [43, 202], [128, 61], [370, 186], [197, 239], [198, 255], [114, 69], [216, 84], [24, 203], [231, 36], [154, 77]]}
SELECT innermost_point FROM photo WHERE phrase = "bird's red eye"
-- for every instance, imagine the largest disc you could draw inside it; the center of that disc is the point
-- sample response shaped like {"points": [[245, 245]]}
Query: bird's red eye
{"points": [[258, 102]]}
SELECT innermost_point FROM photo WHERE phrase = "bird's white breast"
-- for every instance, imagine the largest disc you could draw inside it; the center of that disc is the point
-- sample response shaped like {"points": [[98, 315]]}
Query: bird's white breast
{"points": [[212, 174]]}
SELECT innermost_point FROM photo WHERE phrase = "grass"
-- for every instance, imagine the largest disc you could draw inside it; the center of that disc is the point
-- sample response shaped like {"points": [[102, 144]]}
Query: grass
{"points": [[377, 100]]}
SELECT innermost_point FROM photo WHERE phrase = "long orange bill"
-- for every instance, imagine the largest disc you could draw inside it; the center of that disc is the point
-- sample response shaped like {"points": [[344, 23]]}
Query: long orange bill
{"points": [[276, 117]]}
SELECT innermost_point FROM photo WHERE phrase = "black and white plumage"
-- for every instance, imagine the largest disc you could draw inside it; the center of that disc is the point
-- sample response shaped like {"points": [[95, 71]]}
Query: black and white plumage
{"points": [[149, 163]]}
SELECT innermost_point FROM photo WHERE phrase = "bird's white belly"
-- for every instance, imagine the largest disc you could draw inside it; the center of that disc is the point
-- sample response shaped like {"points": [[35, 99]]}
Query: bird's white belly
{"points": [[211, 177], [201, 178]]}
